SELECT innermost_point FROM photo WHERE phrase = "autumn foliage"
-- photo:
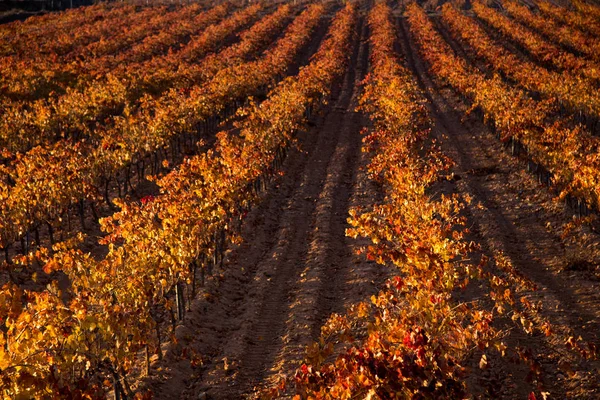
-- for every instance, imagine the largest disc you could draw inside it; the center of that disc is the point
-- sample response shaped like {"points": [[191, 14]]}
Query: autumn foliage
{"points": [[414, 338], [79, 344], [134, 84], [564, 148]]}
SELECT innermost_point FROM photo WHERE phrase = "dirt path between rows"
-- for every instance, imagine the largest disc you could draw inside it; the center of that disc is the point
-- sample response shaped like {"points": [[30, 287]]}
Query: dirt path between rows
{"points": [[295, 268], [513, 214]]}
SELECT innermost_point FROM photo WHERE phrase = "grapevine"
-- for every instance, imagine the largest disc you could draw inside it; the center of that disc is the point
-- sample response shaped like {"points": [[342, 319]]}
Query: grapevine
{"points": [[559, 33], [568, 153], [573, 92], [539, 47], [112, 311]]}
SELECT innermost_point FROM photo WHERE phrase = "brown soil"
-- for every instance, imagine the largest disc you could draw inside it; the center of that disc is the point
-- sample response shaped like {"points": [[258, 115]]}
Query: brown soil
{"points": [[294, 269]]}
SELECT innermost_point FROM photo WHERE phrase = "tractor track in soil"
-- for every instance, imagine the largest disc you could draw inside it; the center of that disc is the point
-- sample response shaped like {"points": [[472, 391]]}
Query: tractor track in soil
{"points": [[513, 214], [295, 267]]}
